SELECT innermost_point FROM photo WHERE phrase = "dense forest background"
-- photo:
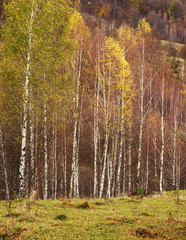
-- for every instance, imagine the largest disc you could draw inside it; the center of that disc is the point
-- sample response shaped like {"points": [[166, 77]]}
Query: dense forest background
{"points": [[92, 97], [165, 17]]}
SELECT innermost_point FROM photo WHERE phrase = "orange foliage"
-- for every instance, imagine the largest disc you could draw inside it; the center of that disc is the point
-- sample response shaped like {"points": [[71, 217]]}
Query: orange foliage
{"points": [[105, 10]]}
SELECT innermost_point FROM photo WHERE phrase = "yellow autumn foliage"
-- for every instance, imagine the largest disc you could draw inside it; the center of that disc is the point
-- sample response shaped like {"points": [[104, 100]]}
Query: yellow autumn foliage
{"points": [[116, 73], [78, 31]]}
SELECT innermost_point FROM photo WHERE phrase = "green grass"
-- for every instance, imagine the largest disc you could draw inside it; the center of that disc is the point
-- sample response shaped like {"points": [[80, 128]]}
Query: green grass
{"points": [[120, 218]]}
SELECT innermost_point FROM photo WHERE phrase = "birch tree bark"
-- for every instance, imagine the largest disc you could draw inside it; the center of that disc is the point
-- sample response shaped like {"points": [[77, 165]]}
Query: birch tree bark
{"points": [[55, 162], [124, 166], [174, 153], [120, 149], [115, 144], [78, 144], [96, 124], [32, 157], [109, 171], [142, 68], [147, 166], [162, 135], [76, 96], [155, 155], [104, 160], [4, 165], [45, 146], [25, 107], [130, 160], [65, 161], [54, 157], [107, 115], [36, 151]]}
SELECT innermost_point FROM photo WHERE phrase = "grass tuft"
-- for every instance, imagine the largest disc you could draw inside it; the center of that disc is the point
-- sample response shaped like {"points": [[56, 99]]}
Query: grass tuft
{"points": [[142, 232], [13, 214], [99, 203], [61, 217], [85, 205], [127, 220], [144, 214], [27, 219]]}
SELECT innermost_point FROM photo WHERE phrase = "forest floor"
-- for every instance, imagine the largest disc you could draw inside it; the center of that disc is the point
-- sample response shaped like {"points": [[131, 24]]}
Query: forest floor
{"points": [[153, 217]]}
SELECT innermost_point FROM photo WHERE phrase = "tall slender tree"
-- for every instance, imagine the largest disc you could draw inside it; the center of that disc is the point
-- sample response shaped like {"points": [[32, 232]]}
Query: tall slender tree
{"points": [[31, 25]]}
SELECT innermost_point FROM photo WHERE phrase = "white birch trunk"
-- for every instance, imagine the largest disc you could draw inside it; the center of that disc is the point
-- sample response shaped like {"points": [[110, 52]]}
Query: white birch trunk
{"points": [[104, 164], [109, 167], [107, 115], [96, 128], [178, 171], [77, 151], [141, 116], [4, 165], [78, 127], [71, 182], [115, 151], [162, 136], [75, 128], [155, 155], [32, 158], [115, 146], [36, 150], [55, 165], [174, 154], [147, 168], [120, 149], [130, 160], [65, 161], [45, 149], [74, 184], [52, 163], [124, 167], [25, 109], [95, 145], [54, 159]]}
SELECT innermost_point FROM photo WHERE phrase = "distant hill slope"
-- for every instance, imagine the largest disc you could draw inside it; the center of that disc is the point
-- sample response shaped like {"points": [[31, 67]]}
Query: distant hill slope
{"points": [[166, 17]]}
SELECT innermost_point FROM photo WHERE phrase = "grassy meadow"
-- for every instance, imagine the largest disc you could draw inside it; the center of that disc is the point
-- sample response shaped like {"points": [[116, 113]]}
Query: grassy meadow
{"points": [[155, 217]]}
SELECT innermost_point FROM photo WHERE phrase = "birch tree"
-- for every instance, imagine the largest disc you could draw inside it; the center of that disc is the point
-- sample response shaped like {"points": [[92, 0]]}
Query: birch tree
{"points": [[3, 154], [96, 118], [115, 79], [29, 24], [20, 50], [78, 32], [143, 37], [162, 130]]}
